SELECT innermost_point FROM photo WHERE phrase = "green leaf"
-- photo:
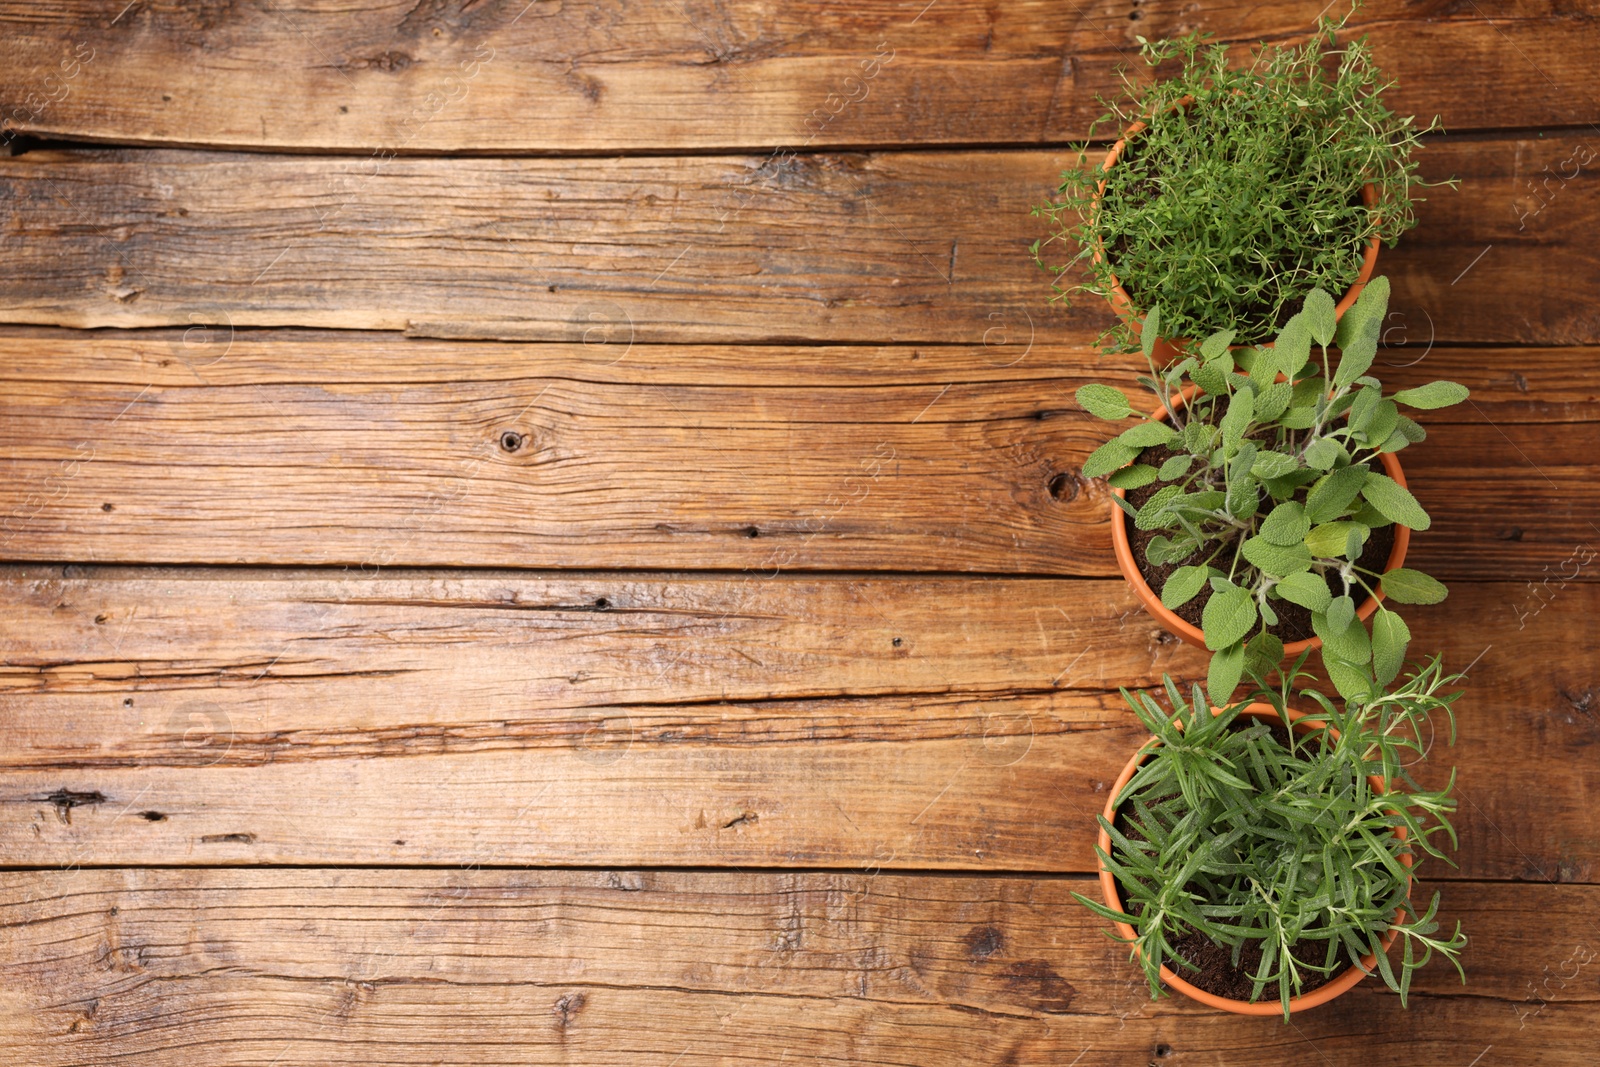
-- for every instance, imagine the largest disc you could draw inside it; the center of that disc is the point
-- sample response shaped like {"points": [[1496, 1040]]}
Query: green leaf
{"points": [[1284, 487], [1149, 332], [1328, 541], [1239, 466], [1228, 616], [1440, 394], [1308, 590], [1163, 550], [1299, 417], [1335, 492], [1362, 409], [1369, 516], [1413, 430], [1183, 585], [1140, 474], [1104, 402], [1276, 560], [1354, 360], [1385, 418], [1150, 516], [1390, 636], [1307, 391], [1222, 677], [1241, 408], [1394, 501], [1146, 434], [1349, 643], [1340, 612], [1354, 540], [1287, 524], [1319, 311], [1109, 457], [1293, 347], [1216, 345], [1366, 315], [1263, 654], [1265, 366], [1394, 443], [1213, 376], [1351, 681], [1406, 586], [1273, 401], [1323, 453], [1175, 467], [1271, 464]]}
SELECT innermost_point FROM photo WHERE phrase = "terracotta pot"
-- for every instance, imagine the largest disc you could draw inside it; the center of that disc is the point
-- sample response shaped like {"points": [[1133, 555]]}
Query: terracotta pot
{"points": [[1188, 631], [1341, 983], [1167, 350]]}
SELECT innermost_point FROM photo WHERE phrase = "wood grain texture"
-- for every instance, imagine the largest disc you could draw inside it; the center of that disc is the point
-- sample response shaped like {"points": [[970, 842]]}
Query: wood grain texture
{"points": [[157, 968], [168, 449], [170, 717], [520, 76], [923, 247]]}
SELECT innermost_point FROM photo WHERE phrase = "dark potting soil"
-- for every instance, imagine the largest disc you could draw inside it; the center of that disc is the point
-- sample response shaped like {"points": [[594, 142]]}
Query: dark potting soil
{"points": [[1217, 974], [1294, 621]]}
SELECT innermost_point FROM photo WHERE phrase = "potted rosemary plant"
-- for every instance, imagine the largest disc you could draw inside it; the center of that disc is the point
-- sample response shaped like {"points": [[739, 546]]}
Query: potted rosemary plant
{"points": [[1260, 858], [1263, 509], [1238, 188]]}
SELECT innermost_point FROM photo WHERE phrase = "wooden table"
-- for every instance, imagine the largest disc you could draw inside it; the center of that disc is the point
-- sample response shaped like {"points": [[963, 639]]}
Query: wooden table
{"points": [[551, 533]]}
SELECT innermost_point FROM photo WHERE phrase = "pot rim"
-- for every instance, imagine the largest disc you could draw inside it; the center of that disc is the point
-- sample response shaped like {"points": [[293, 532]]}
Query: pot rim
{"points": [[1122, 303], [1188, 631], [1342, 983]]}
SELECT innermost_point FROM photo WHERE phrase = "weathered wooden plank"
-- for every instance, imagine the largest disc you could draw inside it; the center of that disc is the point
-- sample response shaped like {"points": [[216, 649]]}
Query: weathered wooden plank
{"points": [[166, 449], [1509, 384], [170, 717], [726, 718], [874, 247], [520, 76], [903, 246], [230, 968]]}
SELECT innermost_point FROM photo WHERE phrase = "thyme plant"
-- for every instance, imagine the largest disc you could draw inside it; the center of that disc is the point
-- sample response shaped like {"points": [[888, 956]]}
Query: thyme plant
{"points": [[1234, 836], [1244, 191]]}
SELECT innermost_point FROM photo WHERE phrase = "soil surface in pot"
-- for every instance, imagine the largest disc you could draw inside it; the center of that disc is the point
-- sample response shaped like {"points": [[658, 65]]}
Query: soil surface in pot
{"points": [[1217, 974], [1294, 621]]}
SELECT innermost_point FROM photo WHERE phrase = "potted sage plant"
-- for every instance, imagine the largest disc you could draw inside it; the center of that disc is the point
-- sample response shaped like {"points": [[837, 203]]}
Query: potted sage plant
{"points": [[1260, 857], [1263, 509], [1237, 188]]}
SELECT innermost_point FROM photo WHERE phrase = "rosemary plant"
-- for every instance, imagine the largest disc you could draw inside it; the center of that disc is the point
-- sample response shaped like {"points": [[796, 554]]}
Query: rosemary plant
{"points": [[1244, 191], [1228, 833], [1273, 487]]}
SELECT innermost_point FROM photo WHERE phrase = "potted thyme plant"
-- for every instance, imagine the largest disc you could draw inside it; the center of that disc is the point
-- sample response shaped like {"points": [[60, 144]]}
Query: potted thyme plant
{"points": [[1260, 858], [1237, 189], [1264, 503]]}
